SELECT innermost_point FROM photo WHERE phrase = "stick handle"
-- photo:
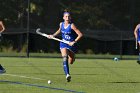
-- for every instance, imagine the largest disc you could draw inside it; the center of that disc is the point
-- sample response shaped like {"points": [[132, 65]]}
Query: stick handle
{"points": [[67, 42], [45, 35]]}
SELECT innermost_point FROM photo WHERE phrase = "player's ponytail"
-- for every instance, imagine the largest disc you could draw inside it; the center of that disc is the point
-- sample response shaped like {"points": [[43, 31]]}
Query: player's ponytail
{"points": [[66, 11]]}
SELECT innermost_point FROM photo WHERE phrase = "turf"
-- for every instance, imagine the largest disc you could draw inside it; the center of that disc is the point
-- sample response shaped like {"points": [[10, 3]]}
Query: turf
{"points": [[30, 75]]}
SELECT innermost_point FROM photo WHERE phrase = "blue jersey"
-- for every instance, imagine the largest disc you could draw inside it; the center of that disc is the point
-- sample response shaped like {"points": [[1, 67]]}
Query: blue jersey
{"points": [[68, 35]]}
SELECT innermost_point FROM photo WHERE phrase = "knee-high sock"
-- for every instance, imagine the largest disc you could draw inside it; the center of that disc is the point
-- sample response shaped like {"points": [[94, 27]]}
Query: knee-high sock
{"points": [[65, 65]]}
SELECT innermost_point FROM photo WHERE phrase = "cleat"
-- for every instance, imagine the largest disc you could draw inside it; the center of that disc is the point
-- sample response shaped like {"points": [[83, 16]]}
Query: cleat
{"points": [[2, 70], [68, 78]]}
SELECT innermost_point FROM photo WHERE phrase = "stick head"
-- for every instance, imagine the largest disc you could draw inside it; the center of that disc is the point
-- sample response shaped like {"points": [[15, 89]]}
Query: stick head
{"points": [[38, 29]]}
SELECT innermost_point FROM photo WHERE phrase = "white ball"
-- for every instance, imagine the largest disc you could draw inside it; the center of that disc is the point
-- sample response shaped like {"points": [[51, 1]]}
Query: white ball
{"points": [[116, 59], [49, 82]]}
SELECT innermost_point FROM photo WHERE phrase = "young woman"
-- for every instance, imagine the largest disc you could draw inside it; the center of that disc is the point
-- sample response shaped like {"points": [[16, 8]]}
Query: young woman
{"points": [[2, 70], [69, 33]]}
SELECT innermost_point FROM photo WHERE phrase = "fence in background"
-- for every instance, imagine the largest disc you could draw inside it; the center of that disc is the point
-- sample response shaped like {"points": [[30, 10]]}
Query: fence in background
{"points": [[94, 42]]}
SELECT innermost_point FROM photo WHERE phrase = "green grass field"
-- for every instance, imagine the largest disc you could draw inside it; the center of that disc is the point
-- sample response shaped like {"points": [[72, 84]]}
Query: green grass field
{"points": [[88, 76]]}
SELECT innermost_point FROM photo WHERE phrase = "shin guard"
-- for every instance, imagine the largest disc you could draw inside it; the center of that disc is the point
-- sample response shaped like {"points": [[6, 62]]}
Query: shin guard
{"points": [[65, 65]]}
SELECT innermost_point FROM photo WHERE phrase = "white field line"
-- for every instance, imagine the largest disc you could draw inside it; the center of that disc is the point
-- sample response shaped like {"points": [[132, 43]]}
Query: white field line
{"points": [[21, 76]]}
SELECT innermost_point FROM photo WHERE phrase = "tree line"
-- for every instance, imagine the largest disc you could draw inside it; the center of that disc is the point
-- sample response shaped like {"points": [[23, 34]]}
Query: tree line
{"points": [[86, 14]]}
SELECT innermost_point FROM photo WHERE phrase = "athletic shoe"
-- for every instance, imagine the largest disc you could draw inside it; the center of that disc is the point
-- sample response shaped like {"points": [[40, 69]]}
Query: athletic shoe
{"points": [[2, 70], [68, 78]]}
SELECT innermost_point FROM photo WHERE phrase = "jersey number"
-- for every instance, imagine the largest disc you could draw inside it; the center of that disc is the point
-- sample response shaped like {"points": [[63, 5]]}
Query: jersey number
{"points": [[67, 37]]}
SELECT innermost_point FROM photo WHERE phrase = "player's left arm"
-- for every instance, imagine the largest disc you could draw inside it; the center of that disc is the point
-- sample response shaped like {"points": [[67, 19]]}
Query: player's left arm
{"points": [[78, 32]]}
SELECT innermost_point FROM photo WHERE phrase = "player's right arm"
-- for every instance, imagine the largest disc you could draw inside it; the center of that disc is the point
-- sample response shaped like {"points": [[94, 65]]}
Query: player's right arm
{"points": [[56, 33], [136, 30]]}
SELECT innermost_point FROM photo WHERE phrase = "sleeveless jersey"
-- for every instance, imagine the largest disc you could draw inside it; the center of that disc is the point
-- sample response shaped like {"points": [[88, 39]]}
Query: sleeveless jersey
{"points": [[67, 33]]}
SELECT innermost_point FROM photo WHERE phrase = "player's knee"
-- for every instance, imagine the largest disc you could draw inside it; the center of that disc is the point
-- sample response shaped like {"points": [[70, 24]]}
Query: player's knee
{"points": [[71, 61], [65, 58]]}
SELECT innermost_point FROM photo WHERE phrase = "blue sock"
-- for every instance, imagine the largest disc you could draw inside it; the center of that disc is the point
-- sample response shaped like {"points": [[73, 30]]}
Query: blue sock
{"points": [[66, 67]]}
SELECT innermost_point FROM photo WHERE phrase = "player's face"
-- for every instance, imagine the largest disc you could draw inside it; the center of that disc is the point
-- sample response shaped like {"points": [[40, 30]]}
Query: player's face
{"points": [[66, 17]]}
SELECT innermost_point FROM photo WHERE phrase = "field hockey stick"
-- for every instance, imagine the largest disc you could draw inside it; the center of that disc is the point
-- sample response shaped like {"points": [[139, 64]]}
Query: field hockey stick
{"points": [[46, 35], [136, 44]]}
